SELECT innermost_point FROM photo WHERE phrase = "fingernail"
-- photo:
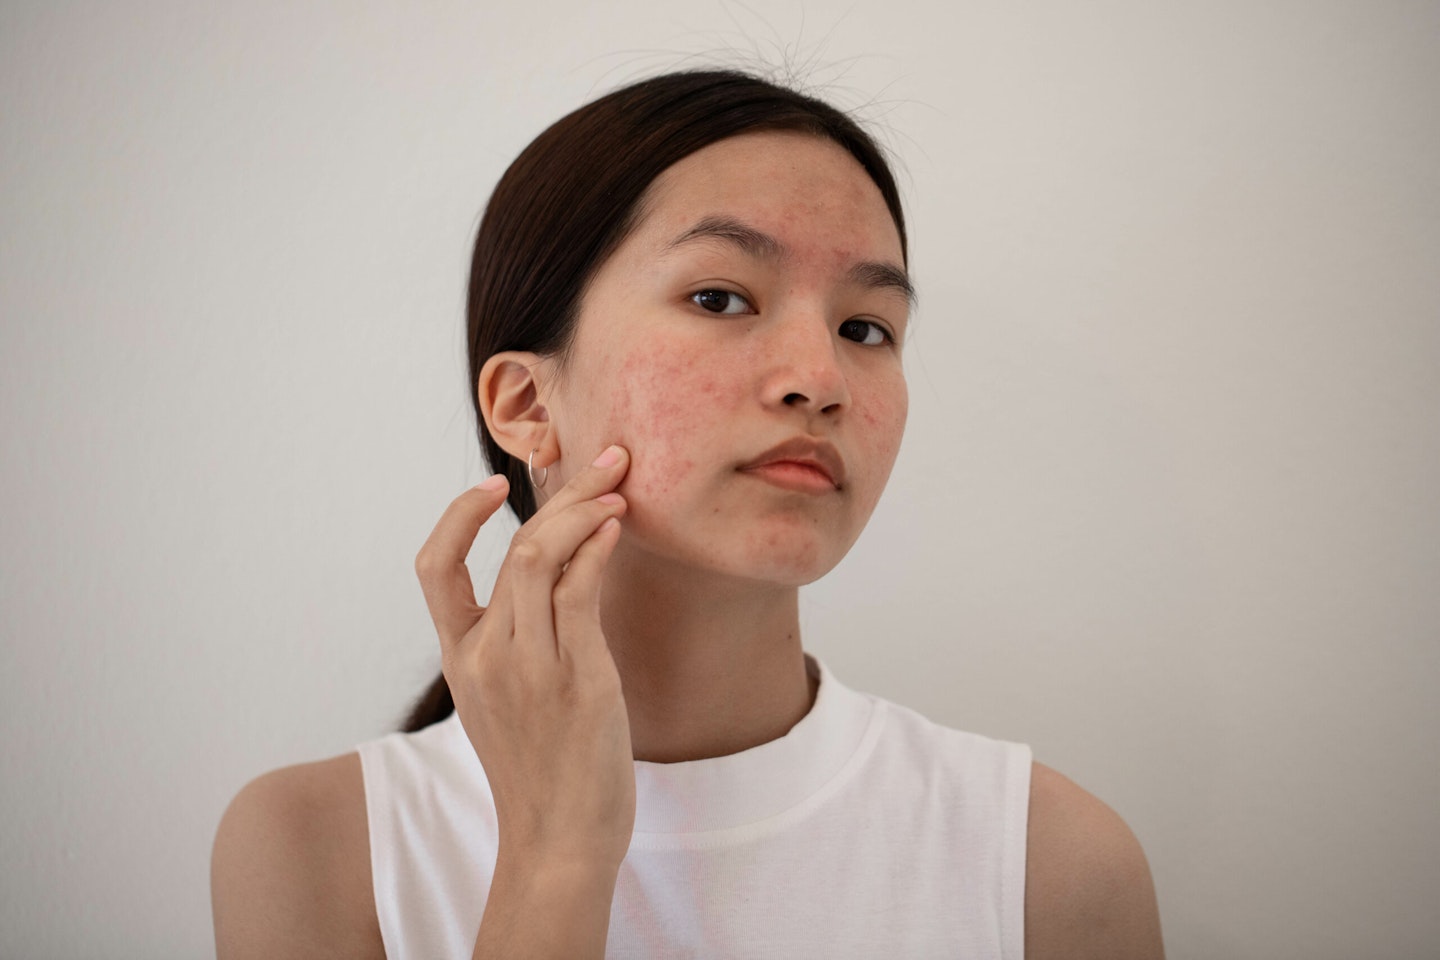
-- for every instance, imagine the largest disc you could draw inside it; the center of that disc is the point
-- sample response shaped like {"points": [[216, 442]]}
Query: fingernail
{"points": [[610, 498], [609, 458], [492, 482]]}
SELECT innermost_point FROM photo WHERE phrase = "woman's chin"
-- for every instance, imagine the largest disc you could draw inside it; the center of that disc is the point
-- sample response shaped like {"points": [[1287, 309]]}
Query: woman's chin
{"points": [[776, 557]]}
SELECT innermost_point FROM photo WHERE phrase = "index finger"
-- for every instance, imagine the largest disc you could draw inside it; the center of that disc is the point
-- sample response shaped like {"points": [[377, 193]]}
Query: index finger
{"points": [[602, 476], [440, 564]]}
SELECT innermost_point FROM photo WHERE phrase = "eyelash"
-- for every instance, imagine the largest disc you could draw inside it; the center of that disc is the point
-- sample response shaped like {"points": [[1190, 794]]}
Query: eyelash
{"points": [[710, 291], [887, 337]]}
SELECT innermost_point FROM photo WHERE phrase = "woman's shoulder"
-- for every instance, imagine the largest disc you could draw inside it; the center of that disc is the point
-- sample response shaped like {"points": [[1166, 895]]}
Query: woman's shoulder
{"points": [[1088, 889], [290, 869]]}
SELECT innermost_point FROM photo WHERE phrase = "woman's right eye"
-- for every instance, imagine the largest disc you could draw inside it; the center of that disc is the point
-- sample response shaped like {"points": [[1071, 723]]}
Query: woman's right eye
{"points": [[721, 301]]}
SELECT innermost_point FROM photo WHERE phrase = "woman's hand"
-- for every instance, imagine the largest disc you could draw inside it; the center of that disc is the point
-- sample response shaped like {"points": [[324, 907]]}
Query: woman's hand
{"points": [[532, 677]]}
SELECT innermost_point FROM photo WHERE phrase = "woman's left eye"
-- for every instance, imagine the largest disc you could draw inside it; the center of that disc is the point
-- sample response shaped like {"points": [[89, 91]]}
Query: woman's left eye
{"points": [[865, 332], [721, 301]]}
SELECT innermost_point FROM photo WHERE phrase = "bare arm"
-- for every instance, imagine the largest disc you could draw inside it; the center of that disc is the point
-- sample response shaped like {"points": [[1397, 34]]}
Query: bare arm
{"points": [[290, 870], [1088, 890]]}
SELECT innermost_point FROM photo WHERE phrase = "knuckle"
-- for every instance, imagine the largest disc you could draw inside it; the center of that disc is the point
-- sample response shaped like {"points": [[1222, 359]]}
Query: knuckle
{"points": [[527, 556], [472, 665], [485, 664], [426, 563]]}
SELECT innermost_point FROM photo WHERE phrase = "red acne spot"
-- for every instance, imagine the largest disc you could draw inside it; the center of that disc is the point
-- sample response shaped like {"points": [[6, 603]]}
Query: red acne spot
{"points": [[664, 411]]}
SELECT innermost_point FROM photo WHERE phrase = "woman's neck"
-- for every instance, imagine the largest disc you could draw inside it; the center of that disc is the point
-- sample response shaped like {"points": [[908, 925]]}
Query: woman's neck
{"points": [[710, 666]]}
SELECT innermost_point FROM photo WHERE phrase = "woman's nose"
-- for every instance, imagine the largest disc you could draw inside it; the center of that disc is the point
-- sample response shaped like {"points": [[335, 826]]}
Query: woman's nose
{"points": [[805, 368]]}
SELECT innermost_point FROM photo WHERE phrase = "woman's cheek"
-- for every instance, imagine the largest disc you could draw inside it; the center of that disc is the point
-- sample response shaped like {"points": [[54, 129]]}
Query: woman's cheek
{"points": [[884, 412], [667, 413], [885, 406]]}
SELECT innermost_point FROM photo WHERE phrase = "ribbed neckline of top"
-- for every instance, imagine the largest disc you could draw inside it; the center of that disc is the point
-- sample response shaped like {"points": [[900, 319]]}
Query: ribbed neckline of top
{"points": [[742, 789]]}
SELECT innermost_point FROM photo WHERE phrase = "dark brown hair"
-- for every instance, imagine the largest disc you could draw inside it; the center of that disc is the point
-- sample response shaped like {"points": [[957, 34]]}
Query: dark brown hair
{"points": [[571, 198]]}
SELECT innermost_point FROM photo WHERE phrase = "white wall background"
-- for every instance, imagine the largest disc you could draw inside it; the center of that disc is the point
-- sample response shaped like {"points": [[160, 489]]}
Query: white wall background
{"points": [[1166, 509]]}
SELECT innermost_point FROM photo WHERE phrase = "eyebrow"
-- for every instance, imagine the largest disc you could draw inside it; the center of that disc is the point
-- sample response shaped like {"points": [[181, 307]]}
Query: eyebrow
{"points": [[754, 243]]}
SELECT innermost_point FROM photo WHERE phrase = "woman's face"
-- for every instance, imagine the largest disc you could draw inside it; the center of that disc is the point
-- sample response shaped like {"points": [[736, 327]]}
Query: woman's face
{"points": [[744, 344]]}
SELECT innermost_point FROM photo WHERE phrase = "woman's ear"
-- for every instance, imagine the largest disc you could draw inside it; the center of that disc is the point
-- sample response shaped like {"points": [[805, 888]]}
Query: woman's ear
{"points": [[512, 390]]}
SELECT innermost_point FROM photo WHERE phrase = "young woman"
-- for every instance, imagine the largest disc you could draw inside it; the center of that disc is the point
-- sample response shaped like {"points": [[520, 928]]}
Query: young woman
{"points": [[686, 313]]}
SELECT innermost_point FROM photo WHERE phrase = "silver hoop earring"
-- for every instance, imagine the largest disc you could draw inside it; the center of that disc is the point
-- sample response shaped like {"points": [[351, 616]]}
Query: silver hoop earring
{"points": [[544, 471]]}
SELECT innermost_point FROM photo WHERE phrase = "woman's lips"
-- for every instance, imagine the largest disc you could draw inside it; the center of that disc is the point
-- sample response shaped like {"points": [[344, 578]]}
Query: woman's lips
{"points": [[793, 475], [802, 463]]}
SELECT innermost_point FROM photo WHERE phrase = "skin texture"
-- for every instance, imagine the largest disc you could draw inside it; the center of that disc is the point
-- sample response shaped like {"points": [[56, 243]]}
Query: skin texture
{"points": [[649, 609]]}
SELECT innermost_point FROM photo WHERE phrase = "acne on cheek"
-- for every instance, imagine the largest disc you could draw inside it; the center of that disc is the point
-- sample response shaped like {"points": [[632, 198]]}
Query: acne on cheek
{"points": [[884, 417], [666, 403]]}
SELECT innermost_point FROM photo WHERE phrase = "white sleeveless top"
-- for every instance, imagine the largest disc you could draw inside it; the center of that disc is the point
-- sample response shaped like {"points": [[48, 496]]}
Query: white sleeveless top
{"points": [[866, 831]]}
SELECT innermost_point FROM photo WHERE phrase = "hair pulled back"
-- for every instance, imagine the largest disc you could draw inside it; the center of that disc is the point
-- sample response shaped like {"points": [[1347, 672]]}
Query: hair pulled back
{"points": [[573, 196]]}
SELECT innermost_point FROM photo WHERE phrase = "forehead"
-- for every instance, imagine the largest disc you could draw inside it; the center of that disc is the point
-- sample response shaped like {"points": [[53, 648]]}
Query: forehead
{"points": [[804, 189]]}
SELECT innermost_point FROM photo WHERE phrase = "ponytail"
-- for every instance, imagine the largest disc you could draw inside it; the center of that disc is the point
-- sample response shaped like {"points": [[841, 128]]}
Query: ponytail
{"points": [[432, 706]]}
